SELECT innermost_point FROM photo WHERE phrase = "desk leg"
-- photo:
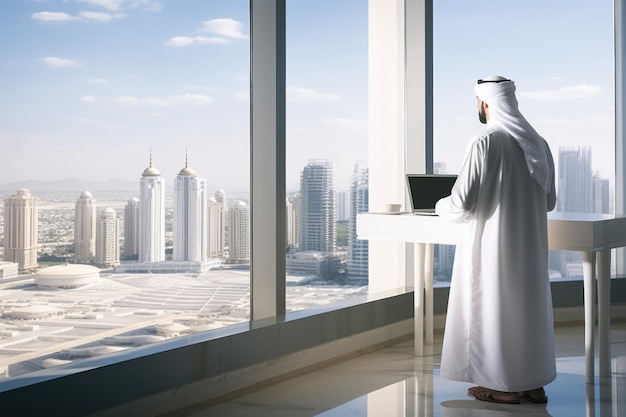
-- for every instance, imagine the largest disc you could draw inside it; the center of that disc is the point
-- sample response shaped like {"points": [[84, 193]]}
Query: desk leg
{"points": [[428, 290], [604, 312], [418, 296], [589, 271]]}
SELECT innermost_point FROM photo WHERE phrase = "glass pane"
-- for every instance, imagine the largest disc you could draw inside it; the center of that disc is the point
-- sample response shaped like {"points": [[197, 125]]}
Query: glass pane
{"points": [[561, 60], [124, 175], [327, 177]]}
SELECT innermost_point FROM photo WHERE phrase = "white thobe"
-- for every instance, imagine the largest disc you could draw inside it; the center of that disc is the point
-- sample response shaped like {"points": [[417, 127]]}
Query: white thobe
{"points": [[499, 329]]}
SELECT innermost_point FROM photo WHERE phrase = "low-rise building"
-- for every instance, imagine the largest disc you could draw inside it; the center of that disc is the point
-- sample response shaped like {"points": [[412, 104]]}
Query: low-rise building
{"points": [[307, 263], [8, 270]]}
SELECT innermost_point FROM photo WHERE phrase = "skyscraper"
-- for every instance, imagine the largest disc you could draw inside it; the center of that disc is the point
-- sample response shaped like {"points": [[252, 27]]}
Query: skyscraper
{"points": [[151, 215], [601, 195], [444, 254], [574, 194], [575, 180], [20, 229], [216, 225], [239, 234], [107, 239], [131, 229], [85, 228], [317, 207], [343, 205], [190, 216], [358, 250]]}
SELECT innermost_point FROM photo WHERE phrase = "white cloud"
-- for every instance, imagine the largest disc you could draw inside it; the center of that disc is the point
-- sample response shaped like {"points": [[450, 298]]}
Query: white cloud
{"points": [[230, 28], [98, 81], [56, 62], [107, 4], [180, 41], [227, 29], [59, 17], [171, 101], [96, 16], [55, 17], [566, 93], [115, 5], [308, 95], [88, 99]]}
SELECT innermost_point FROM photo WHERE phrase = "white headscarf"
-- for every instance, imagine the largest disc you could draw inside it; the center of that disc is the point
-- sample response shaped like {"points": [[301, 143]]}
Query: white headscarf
{"points": [[499, 94]]}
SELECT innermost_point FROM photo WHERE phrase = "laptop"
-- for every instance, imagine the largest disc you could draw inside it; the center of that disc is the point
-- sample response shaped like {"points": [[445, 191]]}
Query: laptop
{"points": [[426, 189]]}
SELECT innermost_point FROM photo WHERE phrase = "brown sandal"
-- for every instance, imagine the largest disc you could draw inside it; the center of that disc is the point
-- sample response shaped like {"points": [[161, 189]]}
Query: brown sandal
{"points": [[537, 396], [493, 396]]}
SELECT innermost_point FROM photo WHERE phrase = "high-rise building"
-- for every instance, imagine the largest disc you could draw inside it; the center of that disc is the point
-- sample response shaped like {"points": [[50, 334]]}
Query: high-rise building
{"points": [[107, 239], [358, 250], [239, 233], [317, 207], [443, 262], [574, 194], [343, 205], [443, 254], [20, 229], [293, 221], [190, 216], [601, 195], [85, 228], [131, 229], [151, 215], [216, 231], [575, 180]]}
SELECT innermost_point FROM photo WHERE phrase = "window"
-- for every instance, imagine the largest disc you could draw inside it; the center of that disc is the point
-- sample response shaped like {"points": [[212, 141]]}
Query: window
{"points": [[562, 63], [327, 173], [128, 123]]}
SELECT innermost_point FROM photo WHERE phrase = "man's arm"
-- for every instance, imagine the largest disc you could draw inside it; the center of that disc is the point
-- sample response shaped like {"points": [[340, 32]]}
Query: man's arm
{"points": [[460, 204]]}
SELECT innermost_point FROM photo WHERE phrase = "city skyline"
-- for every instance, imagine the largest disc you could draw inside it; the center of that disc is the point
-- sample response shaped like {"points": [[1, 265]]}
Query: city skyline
{"points": [[575, 176], [197, 221]]}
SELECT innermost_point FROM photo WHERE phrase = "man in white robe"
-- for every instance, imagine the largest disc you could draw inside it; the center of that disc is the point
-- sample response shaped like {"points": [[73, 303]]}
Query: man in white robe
{"points": [[499, 330]]}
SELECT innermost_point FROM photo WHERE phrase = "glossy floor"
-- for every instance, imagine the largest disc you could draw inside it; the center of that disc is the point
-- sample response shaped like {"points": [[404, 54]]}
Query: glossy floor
{"points": [[392, 382]]}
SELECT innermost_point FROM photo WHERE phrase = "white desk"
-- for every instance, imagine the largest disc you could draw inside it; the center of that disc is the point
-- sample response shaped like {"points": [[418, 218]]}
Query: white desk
{"points": [[593, 234]]}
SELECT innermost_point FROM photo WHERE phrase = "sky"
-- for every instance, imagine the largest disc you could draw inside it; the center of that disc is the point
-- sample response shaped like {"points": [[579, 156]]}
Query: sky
{"points": [[89, 88], [560, 55]]}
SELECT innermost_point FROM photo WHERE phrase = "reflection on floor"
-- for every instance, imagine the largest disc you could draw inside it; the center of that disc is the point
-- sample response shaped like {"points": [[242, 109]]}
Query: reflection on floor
{"points": [[394, 383]]}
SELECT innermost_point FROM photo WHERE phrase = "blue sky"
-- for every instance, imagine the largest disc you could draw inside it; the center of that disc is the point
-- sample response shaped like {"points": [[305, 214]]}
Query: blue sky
{"points": [[88, 87], [559, 53]]}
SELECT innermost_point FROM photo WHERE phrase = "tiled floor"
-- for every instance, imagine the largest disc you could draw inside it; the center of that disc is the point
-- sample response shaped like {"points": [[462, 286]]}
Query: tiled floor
{"points": [[393, 382]]}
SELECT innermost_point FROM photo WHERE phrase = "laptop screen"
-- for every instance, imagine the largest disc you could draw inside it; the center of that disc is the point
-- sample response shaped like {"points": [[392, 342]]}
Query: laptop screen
{"points": [[426, 189]]}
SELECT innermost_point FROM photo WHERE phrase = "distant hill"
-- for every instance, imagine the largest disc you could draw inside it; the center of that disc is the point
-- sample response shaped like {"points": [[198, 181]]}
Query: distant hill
{"points": [[70, 185], [71, 188]]}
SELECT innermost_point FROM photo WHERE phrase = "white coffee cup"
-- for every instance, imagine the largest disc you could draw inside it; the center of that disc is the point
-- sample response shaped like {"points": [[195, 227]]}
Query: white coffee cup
{"points": [[391, 207]]}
